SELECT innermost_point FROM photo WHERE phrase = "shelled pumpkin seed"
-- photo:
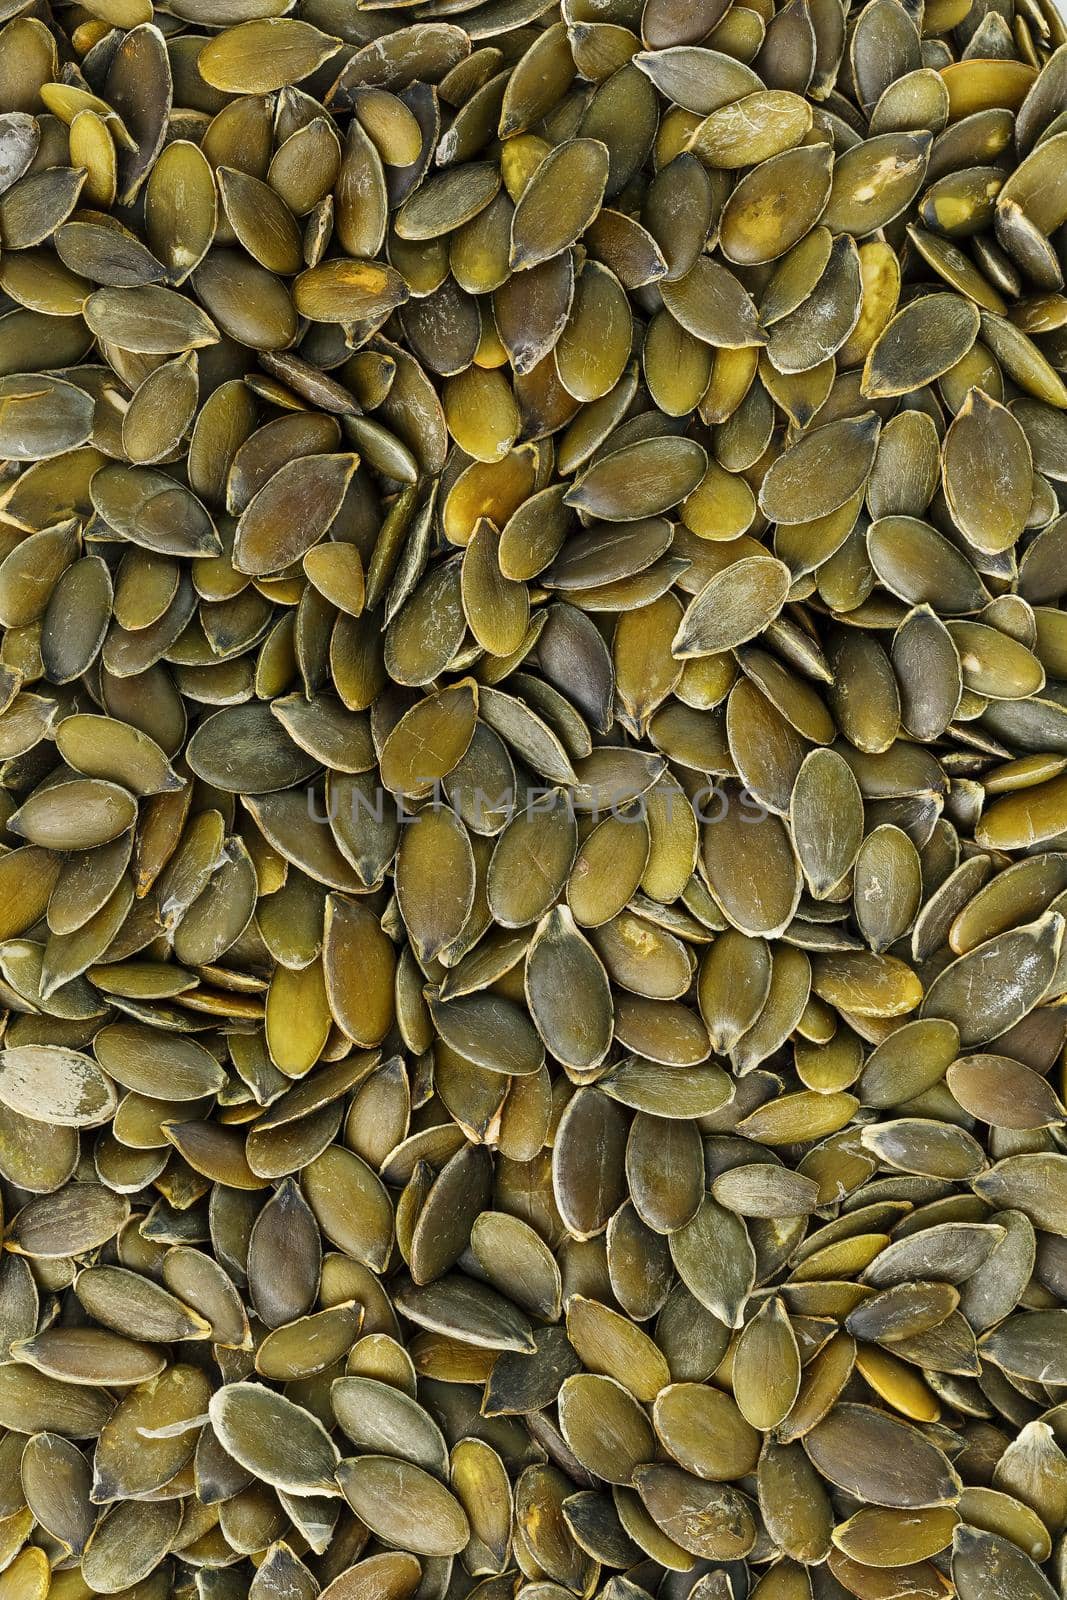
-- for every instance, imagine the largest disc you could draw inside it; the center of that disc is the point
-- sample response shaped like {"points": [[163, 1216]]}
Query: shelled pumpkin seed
{"points": [[533, 767]]}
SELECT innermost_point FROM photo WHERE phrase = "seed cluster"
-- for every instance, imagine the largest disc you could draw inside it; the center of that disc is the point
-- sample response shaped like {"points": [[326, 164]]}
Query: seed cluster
{"points": [[533, 724]]}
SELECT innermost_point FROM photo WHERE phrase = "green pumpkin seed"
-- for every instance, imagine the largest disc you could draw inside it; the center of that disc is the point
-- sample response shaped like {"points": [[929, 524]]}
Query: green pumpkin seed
{"points": [[258, 56], [275, 1439], [714, 1522], [604, 1426], [906, 1471], [529, 543]]}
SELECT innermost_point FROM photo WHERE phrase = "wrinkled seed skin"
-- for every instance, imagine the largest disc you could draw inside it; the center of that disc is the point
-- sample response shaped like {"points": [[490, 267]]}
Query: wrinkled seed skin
{"points": [[533, 789]]}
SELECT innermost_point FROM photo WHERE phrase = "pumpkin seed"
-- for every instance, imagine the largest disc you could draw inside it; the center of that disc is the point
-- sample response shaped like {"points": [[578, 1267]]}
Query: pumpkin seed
{"points": [[531, 557]]}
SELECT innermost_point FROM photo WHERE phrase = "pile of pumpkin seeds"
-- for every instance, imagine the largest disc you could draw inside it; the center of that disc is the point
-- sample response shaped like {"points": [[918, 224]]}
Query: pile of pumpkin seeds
{"points": [[533, 540]]}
